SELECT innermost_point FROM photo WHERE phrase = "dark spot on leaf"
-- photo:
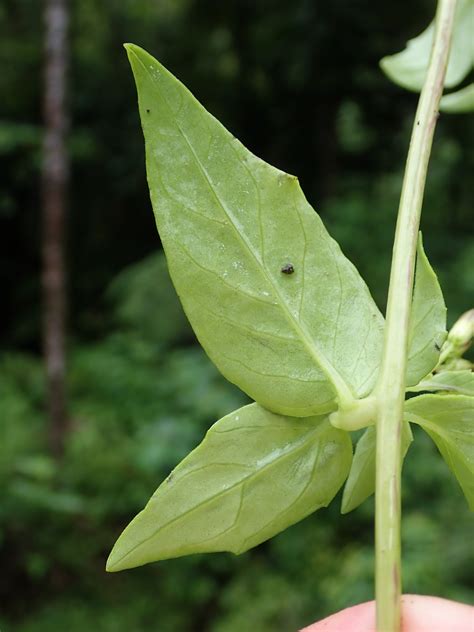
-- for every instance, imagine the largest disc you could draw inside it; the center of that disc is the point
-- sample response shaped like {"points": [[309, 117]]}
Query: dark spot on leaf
{"points": [[288, 268], [438, 348], [148, 111]]}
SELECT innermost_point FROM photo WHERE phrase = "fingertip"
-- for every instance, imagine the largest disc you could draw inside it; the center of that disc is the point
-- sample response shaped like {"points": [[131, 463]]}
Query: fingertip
{"points": [[423, 613], [360, 618], [420, 613]]}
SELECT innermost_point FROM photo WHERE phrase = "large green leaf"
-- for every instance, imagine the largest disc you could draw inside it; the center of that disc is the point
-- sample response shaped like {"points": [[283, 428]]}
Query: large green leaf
{"points": [[273, 301], [459, 101], [461, 382], [449, 420], [254, 474], [408, 68], [361, 481], [428, 321]]}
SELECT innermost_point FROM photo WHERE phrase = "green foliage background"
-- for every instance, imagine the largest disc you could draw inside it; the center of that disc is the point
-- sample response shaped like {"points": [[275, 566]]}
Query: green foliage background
{"points": [[299, 84]]}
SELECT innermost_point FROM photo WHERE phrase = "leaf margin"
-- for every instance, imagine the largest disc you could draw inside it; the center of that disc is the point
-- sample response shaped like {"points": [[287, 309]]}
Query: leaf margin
{"points": [[338, 452]]}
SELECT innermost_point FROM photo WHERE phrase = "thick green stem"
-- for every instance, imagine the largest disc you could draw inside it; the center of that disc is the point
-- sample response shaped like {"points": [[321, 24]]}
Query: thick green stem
{"points": [[391, 386]]}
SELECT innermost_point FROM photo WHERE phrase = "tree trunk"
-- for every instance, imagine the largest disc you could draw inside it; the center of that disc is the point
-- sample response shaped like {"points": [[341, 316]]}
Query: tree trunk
{"points": [[55, 169]]}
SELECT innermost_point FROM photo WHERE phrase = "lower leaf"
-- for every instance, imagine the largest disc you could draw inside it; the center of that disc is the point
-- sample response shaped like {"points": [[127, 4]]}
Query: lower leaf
{"points": [[449, 421], [361, 482], [459, 101], [461, 382], [254, 474]]}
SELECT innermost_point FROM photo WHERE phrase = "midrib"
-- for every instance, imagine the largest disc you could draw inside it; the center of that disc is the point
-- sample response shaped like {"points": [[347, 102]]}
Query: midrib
{"points": [[343, 391]]}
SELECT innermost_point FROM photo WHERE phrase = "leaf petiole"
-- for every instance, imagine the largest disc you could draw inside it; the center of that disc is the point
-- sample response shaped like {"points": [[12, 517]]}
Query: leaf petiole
{"points": [[355, 415]]}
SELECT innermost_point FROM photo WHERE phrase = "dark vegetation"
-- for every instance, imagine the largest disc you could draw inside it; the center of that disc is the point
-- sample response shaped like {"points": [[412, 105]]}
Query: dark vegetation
{"points": [[299, 84]]}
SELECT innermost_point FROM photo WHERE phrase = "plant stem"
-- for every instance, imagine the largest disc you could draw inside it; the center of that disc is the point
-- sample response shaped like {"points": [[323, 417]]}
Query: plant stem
{"points": [[391, 386]]}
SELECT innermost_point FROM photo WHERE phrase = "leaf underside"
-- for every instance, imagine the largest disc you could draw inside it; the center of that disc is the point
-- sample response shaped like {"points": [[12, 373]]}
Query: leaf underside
{"points": [[449, 421], [361, 481], [233, 227], [408, 68], [457, 382], [281, 312], [427, 330], [254, 474], [459, 101]]}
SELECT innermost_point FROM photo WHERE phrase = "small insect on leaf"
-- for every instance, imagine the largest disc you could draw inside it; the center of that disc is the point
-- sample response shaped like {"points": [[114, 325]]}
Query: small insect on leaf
{"points": [[288, 268]]}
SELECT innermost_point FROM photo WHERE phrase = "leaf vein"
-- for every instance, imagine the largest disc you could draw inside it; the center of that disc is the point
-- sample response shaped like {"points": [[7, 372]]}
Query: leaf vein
{"points": [[296, 447], [337, 382]]}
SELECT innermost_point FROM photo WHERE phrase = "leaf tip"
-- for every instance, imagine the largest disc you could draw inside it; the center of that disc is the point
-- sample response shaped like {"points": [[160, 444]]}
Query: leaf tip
{"points": [[119, 557], [137, 53], [386, 66], [110, 567], [346, 504], [113, 563], [129, 48], [383, 63]]}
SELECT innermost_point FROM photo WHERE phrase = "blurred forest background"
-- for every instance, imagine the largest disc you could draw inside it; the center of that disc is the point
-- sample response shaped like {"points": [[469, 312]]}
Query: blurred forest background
{"points": [[299, 83]]}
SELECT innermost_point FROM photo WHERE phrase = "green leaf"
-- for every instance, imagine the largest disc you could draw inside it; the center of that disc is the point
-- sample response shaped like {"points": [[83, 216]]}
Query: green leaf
{"points": [[449, 420], [408, 68], [428, 321], [254, 474], [361, 482], [273, 301], [459, 101], [461, 382]]}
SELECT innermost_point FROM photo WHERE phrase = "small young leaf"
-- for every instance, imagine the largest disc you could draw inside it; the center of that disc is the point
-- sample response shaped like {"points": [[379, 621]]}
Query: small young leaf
{"points": [[459, 101], [461, 382], [449, 420], [428, 321], [273, 301], [408, 68], [361, 482], [254, 474]]}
